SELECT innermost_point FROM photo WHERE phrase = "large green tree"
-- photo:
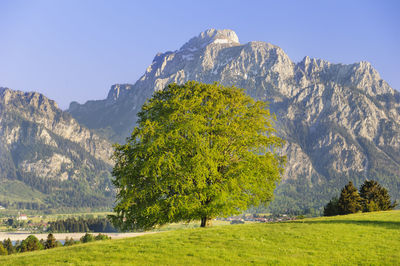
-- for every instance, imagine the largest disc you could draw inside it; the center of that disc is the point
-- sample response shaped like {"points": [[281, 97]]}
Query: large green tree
{"points": [[375, 197], [199, 151]]}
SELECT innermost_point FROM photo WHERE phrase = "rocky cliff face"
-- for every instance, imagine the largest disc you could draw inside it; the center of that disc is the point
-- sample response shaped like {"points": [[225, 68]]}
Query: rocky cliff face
{"points": [[341, 122], [47, 150]]}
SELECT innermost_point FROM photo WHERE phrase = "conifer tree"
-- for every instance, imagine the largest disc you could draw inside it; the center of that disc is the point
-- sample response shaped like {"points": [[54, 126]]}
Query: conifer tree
{"points": [[332, 208], [50, 242], [349, 200], [375, 197]]}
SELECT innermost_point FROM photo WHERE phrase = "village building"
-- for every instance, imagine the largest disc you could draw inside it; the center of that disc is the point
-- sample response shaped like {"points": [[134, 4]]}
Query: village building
{"points": [[22, 217]]}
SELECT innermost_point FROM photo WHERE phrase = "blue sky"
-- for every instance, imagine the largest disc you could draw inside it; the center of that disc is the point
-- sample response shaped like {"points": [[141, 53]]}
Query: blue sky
{"points": [[76, 49]]}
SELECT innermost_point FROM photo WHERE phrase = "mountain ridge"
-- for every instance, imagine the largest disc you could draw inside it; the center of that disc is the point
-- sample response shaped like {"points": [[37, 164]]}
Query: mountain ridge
{"points": [[45, 150], [341, 121]]}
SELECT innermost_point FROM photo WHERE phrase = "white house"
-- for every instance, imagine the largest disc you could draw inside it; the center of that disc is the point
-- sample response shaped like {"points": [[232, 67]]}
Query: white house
{"points": [[22, 217]]}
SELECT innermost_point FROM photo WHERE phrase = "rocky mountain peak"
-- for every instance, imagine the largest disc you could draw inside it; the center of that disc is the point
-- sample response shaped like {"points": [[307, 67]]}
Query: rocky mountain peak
{"points": [[45, 151], [117, 91], [25, 99], [313, 63], [211, 36], [341, 121]]}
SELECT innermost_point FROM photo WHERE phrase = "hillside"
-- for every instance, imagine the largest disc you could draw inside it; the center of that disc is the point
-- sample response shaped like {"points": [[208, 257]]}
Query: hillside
{"points": [[341, 122], [47, 159], [367, 238]]}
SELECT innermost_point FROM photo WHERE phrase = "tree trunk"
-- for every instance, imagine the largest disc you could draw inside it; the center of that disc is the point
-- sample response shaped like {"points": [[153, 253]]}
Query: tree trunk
{"points": [[205, 222]]}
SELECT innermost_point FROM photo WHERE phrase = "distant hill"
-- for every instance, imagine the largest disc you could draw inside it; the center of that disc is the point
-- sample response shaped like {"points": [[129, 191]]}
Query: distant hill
{"points": [[341, 122], [47, 159]]}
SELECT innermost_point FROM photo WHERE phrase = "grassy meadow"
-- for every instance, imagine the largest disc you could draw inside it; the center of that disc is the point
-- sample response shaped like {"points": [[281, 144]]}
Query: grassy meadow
{"points": [[364, 238]]}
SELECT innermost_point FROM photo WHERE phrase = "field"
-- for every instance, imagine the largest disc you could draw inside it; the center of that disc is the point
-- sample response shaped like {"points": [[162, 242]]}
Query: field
{"points": [[365, 238]]}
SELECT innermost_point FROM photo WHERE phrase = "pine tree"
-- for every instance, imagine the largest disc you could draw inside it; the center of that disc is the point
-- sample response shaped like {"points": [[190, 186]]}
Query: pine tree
{"points": [[350, 200], [375, 197], [332, 208], [50, 242]]}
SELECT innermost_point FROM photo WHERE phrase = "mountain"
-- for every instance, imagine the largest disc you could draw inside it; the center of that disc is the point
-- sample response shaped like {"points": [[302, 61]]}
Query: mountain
{"points": [[47, 159], [341, 122]]}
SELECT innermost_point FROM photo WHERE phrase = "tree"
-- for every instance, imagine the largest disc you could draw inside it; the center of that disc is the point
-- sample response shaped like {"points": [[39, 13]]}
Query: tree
{"points": [[87, 238], [332, 208], [69, 241], [102, 237], [349, 200], [3, 250], [9, 246], [375, 197], [198, 151], [31, 243], [50, 242]]}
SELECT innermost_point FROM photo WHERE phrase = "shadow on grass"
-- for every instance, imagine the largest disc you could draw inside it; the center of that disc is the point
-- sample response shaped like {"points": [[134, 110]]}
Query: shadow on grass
{"points": [[386, 224]]}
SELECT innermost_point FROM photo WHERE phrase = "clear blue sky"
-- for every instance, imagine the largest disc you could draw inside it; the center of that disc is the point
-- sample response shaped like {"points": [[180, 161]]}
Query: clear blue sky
{"points": [[76, 49]]}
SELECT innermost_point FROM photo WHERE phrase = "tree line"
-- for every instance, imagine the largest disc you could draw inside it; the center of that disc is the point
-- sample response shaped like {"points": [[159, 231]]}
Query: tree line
{"points": [[32, 243], [72, 225], [370, 197], [26, 205]]}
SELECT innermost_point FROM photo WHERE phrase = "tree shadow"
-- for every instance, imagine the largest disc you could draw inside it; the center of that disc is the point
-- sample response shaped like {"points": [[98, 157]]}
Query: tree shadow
{"points": [[385, 224]]}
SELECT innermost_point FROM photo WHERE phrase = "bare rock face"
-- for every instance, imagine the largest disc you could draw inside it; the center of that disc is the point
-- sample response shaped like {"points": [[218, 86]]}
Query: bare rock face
{"points": [[48, 150], [341, 122]]}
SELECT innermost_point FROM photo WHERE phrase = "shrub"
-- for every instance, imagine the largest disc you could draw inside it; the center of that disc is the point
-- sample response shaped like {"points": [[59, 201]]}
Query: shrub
{"points": [[69, 241], [102, 237], [87, 238]]}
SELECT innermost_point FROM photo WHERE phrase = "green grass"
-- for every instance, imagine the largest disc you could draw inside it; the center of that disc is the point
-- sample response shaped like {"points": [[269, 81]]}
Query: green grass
{"points": [[191, 225], [366, 238]]}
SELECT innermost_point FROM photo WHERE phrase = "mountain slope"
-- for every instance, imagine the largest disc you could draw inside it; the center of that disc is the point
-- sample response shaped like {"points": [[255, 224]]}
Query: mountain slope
{"points": [[341, 122], [48, 160]]}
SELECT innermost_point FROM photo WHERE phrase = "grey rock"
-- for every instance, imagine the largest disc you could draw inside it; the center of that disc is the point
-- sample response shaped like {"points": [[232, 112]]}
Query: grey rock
{"points": [[48, 150], [341, 122]]}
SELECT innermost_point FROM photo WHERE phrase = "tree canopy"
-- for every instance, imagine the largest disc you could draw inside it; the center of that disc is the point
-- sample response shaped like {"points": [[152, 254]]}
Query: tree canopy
{"points": [[50, 242], [198, 151], [349, 200], [372, 197], [332, 208], [375, 197]]}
